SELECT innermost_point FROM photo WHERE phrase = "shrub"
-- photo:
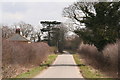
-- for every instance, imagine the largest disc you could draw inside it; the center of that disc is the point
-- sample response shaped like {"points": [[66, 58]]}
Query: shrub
{"points": [[106, 61], [18, 57]]}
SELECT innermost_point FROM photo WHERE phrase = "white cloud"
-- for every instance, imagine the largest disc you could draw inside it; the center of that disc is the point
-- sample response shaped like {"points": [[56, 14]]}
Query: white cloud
{"points": [[10, 17], [38, 0], [0, 14], [16, 16], [32, 12]]}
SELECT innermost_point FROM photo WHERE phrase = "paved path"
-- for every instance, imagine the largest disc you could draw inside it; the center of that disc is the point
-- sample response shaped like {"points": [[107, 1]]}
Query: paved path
{"points": [[63, 67]]}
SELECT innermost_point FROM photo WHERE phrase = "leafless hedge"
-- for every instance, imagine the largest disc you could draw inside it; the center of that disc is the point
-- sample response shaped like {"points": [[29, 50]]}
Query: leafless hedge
{"points": [[18, 57], [106, 61]]}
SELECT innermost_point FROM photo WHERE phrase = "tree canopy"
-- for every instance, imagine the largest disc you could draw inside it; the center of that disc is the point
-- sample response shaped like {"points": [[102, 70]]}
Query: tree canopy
{"points": [[101, 21], [56, 33]]}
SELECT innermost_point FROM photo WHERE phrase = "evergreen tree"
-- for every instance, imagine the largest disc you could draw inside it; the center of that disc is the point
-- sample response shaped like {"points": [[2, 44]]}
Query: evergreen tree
{"points": [[101, 19]]}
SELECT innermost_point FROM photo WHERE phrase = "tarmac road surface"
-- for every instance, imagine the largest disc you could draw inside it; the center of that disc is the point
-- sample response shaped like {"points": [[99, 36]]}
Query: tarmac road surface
{"points": [[63, 67]]}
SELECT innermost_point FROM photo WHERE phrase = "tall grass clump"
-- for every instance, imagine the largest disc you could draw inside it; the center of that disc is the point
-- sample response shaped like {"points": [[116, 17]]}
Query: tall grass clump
{"points": [[105, 61], [18, 57]]}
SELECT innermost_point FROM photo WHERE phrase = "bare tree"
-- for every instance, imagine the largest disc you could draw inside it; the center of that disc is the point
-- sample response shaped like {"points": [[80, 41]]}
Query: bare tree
{"points": [[77, 12], [25, 28], [36, 36], [7, 31]]}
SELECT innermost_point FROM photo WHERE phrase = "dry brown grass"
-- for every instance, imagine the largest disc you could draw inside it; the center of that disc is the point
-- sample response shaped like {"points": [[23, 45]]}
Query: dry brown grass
{"points": [[106, 61], [18, 57]]}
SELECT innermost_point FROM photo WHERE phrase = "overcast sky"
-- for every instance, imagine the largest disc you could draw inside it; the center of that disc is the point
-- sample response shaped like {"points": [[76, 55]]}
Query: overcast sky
{"points": [[33, 11]]}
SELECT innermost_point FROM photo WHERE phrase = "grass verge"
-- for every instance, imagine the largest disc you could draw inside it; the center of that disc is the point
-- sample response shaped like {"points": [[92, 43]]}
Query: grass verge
{"points": [[89, 72], [33, 72]]}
